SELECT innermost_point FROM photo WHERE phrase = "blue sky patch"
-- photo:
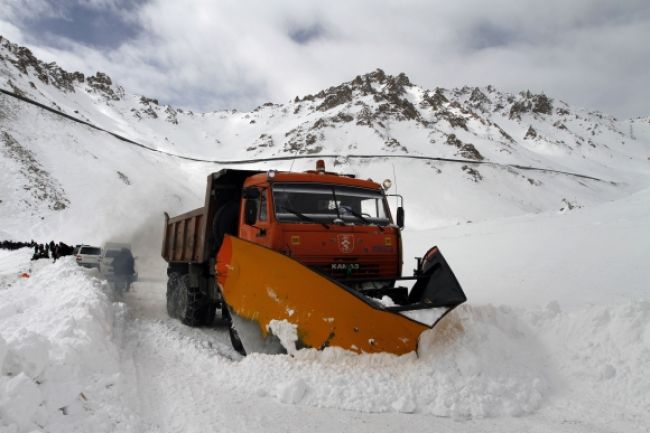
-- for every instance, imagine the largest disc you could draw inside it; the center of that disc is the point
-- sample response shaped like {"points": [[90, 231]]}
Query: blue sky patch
{"points": [[101, 28]]}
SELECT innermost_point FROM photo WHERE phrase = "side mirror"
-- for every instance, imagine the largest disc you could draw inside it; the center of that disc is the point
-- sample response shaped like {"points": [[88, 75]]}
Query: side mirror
{"points": [[400, 217], [251, 193], [250, 211]]}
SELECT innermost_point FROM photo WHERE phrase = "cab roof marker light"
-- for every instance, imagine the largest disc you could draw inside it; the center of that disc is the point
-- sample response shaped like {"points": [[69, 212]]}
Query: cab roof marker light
{"points": [[320, 166]]}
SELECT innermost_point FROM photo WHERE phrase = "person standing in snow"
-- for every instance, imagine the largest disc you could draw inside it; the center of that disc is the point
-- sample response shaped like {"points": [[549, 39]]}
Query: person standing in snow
{"points": [[56, 250]]}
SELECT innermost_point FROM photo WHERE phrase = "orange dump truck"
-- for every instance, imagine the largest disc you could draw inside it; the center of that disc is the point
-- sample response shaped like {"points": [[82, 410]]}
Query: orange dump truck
{"points": [[314, 252]]}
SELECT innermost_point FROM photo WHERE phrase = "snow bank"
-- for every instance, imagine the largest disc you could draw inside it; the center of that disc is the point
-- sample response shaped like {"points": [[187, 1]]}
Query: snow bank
{"points": [[58, 363], [601, 352], [28, 353], [12, 264]]}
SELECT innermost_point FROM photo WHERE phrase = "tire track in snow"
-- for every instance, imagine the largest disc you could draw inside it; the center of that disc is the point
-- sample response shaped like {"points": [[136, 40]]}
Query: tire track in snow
{"points": [[169, 365]]}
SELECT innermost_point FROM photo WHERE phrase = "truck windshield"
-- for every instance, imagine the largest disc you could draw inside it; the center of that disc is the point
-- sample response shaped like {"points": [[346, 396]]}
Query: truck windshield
{"points": [[296, 202]]}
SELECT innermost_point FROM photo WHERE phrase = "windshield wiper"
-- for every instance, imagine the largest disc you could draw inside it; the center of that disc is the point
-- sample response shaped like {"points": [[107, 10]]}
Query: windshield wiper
{"points": [[362, 218], [304, 217]]}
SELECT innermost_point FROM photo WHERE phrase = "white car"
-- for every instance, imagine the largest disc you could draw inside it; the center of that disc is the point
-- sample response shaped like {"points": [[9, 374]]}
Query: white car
{"points": [[88, 256]]}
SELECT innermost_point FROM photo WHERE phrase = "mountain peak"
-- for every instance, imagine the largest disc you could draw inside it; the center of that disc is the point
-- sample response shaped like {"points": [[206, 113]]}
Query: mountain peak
{"points": [[29, 66]]}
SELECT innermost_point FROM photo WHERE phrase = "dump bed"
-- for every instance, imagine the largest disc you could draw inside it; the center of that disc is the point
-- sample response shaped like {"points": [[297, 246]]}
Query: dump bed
{"points": [[184, 238], [187, 237]]}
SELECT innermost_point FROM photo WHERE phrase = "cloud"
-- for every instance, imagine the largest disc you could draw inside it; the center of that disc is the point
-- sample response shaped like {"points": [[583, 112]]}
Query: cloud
{"points": [[303, 34], [240, 53]]}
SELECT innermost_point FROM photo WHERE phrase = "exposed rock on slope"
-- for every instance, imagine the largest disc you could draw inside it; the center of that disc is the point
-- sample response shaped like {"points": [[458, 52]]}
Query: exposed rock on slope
{"points": [[42, 188], [26, 64]]}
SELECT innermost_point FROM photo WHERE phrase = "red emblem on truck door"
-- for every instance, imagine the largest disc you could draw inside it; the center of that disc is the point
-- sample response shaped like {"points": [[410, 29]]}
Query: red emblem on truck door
{"points": [[346, 243]]}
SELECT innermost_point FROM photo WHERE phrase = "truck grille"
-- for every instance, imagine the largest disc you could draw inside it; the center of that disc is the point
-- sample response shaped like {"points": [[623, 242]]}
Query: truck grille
{"points": [[353, 268]]}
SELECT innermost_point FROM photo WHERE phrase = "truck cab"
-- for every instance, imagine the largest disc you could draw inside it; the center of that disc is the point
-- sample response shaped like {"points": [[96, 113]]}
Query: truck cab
{"points": [[335, 224]]}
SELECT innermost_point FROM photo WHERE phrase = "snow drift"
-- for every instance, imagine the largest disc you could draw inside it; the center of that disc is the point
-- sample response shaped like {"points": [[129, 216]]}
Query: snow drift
{"points": [[58, 355]]}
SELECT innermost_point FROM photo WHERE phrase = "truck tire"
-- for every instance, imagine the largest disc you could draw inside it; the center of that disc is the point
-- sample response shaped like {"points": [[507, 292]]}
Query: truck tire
{"points": [[208, 313], [234, 336], [172, 294], [191, 303], [224, 222]]}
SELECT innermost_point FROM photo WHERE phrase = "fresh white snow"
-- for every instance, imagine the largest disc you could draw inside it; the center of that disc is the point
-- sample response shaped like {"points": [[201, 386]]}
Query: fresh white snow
{"points": [[495, 364], [61, 372]]}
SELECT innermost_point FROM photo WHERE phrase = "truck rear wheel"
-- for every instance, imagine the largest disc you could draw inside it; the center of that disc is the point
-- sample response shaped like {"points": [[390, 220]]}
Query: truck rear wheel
{"points": [[188, 303], [172, 294], [208, 313], [191, 303]]}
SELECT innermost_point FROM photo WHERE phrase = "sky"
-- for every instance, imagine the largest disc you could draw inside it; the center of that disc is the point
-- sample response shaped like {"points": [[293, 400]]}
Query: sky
{"points": [[210, 55]]}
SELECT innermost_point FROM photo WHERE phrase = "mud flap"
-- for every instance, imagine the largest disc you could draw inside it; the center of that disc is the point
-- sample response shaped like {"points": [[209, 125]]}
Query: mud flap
{"points": [[260, 285]]}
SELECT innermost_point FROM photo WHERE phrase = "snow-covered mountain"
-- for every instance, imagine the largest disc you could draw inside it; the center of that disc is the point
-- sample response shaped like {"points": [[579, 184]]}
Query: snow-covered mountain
{"points": [[55, 168]]}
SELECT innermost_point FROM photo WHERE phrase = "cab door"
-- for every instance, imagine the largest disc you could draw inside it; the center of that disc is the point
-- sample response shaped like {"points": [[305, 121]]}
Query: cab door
{"points": [[255, 221]]}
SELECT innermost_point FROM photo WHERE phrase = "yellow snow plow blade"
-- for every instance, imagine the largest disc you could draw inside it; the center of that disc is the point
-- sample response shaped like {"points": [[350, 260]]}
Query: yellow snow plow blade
{"points": [[260, 285]]}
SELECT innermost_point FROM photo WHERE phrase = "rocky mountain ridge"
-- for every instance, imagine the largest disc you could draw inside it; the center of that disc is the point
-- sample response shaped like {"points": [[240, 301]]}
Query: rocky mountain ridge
{"points": [[490, 131], [376, 101]]}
